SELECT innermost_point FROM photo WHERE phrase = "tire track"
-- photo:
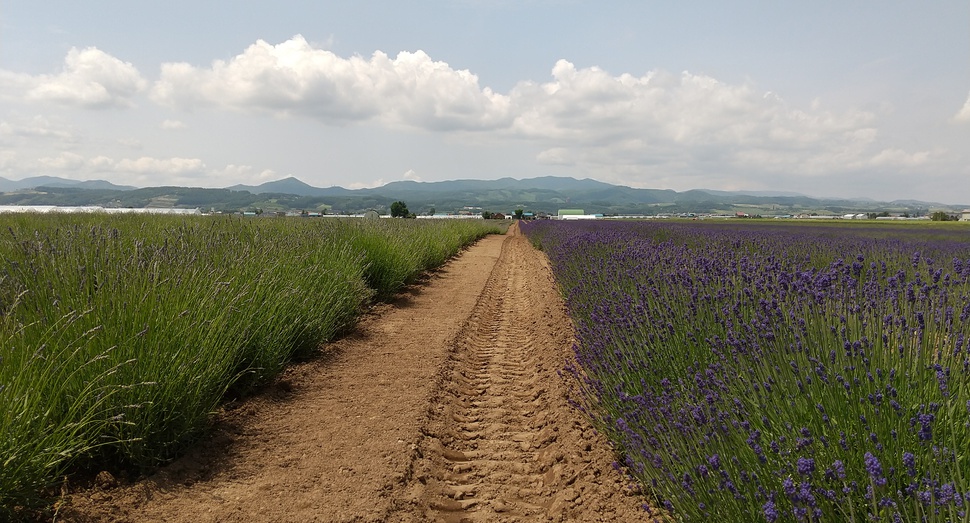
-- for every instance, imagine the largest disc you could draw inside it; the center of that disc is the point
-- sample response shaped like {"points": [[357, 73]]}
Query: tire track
{"points": [[444, 407], [501, 445]]}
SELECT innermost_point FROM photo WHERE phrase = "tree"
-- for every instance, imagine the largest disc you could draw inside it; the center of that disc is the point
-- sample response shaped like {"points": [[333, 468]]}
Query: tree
{"points": [[940, 216], [487, 215], [431, 212], [518, 214], [399, 210]]}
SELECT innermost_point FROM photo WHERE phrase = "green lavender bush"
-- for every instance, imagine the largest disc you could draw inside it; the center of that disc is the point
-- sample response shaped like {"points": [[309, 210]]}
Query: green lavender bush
{"points": [[119, 335]]}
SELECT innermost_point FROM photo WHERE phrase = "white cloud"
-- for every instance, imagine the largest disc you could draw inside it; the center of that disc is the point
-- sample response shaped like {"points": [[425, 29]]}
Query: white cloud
{"points": [[411, 175], [367, 185], [37, 127], [294, 78], [173, 125], [604, 124], [654, 129], [666, 109], [624, 128], [131, 143], [163, 166], [555, 156], [233, 174], [145, 165], [66, 161], [142, 171], [91, 79], [963, 115], [899, 157], [8, 160], [13, 86], [191, 172]]}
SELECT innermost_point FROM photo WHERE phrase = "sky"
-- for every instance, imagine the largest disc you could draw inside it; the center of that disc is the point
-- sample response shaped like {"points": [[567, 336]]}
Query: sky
{"points": [[826, 98]]}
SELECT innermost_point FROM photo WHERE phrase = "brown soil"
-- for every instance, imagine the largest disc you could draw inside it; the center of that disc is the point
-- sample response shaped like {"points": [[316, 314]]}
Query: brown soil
{"points": [[446, 406]]}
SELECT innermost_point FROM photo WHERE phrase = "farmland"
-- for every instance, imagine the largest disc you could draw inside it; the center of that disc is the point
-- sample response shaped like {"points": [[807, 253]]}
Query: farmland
{"points": [[796, 373], [446, 403], [121, 334]]}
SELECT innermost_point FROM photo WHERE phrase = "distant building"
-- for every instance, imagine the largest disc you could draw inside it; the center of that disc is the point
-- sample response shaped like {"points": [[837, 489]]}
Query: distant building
{"points": [[94, 209], [965, 217], [574, 214], [450, 216]]}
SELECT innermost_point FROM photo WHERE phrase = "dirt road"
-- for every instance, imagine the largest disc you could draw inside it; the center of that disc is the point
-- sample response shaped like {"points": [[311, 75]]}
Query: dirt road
{"points": [[443, 406]]}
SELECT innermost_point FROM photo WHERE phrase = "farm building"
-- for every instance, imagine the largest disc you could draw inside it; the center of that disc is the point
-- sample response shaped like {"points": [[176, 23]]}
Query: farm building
{"points": [[575, 214], [450, 216], [965, 217]]}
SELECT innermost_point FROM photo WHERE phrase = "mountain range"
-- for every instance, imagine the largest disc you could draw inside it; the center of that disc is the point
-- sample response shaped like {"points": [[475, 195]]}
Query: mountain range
{"points": [[543, 194], [53, 181]]}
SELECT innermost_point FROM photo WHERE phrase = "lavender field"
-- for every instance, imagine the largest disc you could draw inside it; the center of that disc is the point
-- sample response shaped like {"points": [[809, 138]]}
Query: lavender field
{"points": [[121, 334], [780, 372]]}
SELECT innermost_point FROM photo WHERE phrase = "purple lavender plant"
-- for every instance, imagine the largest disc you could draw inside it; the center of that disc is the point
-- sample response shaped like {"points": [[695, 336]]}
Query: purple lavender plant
{"points": [[776, 349]]}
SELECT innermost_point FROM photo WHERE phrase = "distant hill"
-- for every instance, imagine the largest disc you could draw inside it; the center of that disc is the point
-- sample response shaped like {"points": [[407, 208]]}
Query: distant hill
{"points": [[545, 194], [754, 193], [53, 181], [291, 185], [548, 183]]}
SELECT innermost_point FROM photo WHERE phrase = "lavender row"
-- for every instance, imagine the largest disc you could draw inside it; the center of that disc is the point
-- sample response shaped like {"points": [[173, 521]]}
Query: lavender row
{"points": [[778, 373]]}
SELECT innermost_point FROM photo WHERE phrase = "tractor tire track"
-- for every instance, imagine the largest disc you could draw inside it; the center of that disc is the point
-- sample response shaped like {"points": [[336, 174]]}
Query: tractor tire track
{"points": [[501, 443], [446, 406]]}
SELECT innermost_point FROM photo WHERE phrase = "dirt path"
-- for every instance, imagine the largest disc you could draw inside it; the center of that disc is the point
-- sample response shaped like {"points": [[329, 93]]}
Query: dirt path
{"points": [[445, 406]]}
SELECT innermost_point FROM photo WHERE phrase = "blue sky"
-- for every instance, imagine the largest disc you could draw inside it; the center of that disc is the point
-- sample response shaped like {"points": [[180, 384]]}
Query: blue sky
{"points": [[824, 98]]}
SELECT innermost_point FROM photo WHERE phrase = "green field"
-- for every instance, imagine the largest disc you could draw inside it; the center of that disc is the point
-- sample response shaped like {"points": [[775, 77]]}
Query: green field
{"points": [[121, 334]]}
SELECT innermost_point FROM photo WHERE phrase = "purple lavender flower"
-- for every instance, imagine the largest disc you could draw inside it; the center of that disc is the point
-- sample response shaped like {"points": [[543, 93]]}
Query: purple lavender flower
{"points": [[925, 421], [947, 494], [838, 469], [770, 512], [806, 466], [714, 461], [788, 485], [874, 468], [909, 461], [771, 316]]}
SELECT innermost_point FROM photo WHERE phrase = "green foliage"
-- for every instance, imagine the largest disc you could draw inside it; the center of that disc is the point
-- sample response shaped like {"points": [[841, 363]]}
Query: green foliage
{"points": [[399, 209], [119, 335]]}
